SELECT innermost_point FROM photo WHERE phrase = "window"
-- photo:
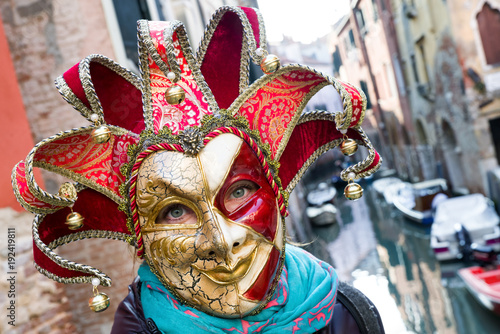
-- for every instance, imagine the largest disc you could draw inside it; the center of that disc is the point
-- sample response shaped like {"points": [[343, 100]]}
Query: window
{"points": [[121, 17], [361, 22], [337, 61], [126, 16], [349, 42], [352, 43], [423, 63], [414, 67], [364, 88], [375, 10], [495, 133], [488, 21], [382, 5]]}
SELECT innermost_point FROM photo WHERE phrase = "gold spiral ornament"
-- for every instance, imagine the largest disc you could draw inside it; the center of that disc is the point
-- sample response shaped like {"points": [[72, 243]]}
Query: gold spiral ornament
{"points": [[67, 190]]}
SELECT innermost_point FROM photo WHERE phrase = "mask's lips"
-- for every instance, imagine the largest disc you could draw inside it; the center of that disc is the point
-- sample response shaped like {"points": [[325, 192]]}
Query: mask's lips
{"points": [[224, 275]]}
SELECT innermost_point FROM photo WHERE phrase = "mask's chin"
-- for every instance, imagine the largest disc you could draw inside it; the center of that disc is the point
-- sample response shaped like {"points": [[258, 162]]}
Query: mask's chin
{"points": [[217, 289]]}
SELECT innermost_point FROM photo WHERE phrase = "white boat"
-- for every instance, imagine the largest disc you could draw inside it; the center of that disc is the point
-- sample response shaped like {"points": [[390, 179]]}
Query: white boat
{"points": [[322, 194], [415, 200], [321, 210], [387, 187], [325, 214], [476, 214]]}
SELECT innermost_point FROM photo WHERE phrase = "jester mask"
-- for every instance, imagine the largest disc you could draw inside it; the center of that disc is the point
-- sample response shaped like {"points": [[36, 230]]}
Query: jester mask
{"points": [[189, 163]]}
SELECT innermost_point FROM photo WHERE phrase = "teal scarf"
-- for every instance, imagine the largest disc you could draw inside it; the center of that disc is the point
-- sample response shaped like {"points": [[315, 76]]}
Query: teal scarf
{"points": [[302, 302]]}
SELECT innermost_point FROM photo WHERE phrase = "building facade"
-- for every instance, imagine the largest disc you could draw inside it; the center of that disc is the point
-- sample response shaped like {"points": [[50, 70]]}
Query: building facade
{"points": [[475, 26], [430, 70], [365, 56]]}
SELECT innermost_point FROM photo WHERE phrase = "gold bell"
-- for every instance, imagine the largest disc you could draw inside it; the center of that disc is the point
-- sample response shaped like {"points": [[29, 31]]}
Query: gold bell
{"points": [[74, 220], [101, 134], [348, 147], [175, 94], [99, 302], [270, 64], [353, 191]]}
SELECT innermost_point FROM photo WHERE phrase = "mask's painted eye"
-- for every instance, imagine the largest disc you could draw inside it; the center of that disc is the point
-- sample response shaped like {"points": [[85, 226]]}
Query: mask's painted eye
{"points": [[238, 193], [176, 214]]}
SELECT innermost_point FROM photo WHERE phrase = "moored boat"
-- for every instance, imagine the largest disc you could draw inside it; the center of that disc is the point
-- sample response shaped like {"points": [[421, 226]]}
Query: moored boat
{"points": [[386, 187], [484, 284], [414, 200], [322, 194], [321, 210], [469, 219], [325, 214]]}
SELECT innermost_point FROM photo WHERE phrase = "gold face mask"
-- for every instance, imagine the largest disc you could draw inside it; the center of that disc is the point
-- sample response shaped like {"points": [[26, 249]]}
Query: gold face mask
{"points": [[212, 229]]}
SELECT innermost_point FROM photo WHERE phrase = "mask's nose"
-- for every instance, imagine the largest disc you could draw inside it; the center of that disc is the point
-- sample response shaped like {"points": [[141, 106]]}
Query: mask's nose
{"points": [[234, 234], [222, 238]]}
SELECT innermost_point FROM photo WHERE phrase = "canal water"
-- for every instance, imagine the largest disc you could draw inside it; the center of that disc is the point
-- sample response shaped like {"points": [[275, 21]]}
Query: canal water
{"points": [[389, 259]]}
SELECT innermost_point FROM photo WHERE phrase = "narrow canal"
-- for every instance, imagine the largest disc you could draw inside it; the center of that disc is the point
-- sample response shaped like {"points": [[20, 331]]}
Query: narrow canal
{"points": [[388, 258]]}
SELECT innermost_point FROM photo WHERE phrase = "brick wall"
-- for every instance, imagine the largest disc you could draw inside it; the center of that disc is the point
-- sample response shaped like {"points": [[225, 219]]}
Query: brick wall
{"points": [[45, 306], [40, 303], [47, 37], [116, 259]]}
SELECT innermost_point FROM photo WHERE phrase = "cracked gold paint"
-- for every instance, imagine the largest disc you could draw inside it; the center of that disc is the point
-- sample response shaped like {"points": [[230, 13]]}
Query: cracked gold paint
{"points": [[206, 259]]}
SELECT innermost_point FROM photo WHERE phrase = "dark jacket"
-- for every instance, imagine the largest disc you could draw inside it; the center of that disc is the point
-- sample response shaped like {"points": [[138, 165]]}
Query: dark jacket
{"points": [[353, 313]]}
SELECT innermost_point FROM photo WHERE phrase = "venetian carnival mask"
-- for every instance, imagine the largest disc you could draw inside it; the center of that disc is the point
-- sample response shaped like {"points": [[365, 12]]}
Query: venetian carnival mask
{"points": [[211, 225], [189, 163]]}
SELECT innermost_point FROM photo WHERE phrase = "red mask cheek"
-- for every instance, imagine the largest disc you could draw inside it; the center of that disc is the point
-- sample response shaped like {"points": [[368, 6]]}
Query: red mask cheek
{"points": [[260, 213], [263, 283]]}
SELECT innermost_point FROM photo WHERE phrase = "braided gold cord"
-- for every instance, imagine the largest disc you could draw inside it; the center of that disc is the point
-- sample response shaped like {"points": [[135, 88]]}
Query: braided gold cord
{"points": [[64, 263]]}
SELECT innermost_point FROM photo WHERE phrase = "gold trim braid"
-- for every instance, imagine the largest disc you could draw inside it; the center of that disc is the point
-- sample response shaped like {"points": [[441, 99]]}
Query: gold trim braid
{"points": [[91, 234], [362, 165], [88, 87], [94, 272], [28, 207], [356, 169]]}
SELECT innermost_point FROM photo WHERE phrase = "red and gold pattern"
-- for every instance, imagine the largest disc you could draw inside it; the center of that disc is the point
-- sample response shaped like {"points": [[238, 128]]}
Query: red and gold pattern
{"points": [[268, 115], [98, 163], [273, 107], [24, 195], [358, 105], [194, 107]]}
